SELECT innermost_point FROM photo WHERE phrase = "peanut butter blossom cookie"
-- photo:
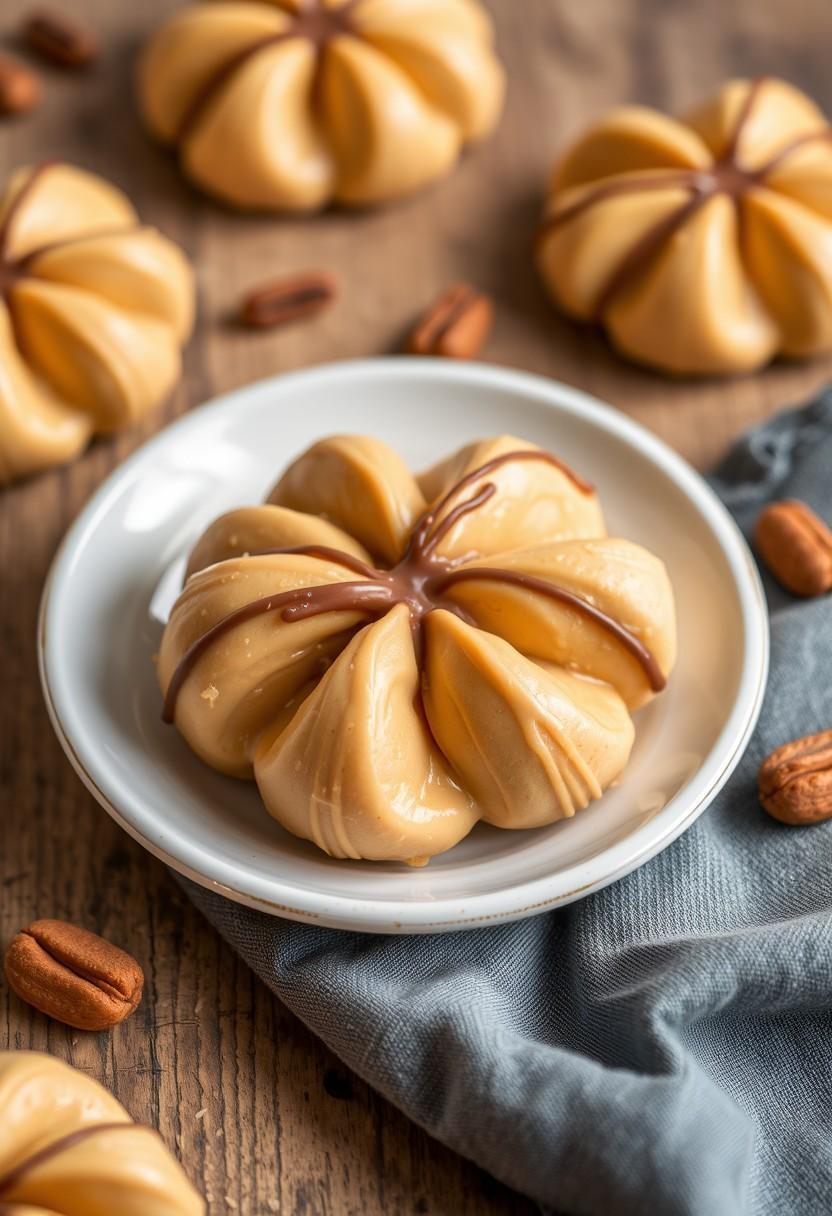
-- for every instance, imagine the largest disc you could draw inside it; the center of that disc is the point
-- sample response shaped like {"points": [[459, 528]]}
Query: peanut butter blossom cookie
{"points": [[94, 307], [289, 104], [701, 246], [68, 1147], [394, 658]]}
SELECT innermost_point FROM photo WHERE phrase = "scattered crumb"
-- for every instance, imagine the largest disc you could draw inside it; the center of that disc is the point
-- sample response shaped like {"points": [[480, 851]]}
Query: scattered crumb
{"points": [[210, 694], [232, 1203], [218, 1132], [272, 1205], [200, 1114]]}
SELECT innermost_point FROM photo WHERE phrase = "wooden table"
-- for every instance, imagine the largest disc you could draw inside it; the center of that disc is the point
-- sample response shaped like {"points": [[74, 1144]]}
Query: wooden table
{"points": [[285, 1129]]}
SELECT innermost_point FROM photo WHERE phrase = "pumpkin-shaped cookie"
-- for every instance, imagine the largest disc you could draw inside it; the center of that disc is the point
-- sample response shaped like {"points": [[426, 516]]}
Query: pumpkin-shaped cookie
{"points": [[93, 310], [288, 104], [68, 1148], [393, 659], [702, 246]]}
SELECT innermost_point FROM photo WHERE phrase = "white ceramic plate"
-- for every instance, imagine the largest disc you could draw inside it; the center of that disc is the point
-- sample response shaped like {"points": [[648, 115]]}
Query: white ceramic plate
{"points": [[118, 570]]}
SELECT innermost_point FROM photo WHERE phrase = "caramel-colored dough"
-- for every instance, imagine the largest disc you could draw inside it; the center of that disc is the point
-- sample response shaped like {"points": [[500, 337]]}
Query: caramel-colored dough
{"points": [[508, 639], [289, 104], [702, 246], [93, 311], [68, 1148]]}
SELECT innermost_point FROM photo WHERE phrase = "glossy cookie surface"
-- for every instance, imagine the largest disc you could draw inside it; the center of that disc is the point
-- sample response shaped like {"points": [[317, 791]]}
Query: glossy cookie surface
{"points": [[146, 521], [702, 245], [476, 661]]}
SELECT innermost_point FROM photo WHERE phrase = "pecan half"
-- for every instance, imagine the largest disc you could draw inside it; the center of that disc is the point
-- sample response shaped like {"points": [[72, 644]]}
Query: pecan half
{"points": [[20, 89], [60, 39], [73, 975], [456, 326], [299, 295], [796, 545], [795, 781]]}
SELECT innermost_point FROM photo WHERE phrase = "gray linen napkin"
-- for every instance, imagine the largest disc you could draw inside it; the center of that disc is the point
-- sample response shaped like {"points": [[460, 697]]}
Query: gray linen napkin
{"points": [[663, 1046]]}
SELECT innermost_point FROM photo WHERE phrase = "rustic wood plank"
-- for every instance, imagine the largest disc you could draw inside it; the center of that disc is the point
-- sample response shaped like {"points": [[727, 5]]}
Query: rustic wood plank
{"points": [[285, 1129]]}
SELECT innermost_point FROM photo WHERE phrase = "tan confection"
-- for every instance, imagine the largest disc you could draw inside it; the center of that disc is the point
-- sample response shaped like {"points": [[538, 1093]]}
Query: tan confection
{"points": [[68, 1148], [354, 770], [255, 670], [289, 104], [476, 658], [533, 743], [626, 581], [361, 485], [535, 503], [94, 308], [253, 529], [703, 245]]}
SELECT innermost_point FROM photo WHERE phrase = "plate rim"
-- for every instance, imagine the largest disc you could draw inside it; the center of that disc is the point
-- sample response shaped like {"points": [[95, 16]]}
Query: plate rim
{"points": [[505, 904]]}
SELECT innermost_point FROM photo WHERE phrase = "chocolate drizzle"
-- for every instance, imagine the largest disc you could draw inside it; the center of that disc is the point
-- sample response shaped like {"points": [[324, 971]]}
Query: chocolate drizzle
{"points": [[14, 1176], [420, 580], [642, 252], [612, 188], [14, 269], [729, 156], [328, 555], [794, 145], [655, 676], [366, 597], [314, 21], [725, 176], [18, 201]]}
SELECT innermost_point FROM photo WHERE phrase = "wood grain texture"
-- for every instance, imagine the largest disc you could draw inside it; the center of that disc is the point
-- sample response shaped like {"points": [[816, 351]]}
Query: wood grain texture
{"points": [[285, 1129]]}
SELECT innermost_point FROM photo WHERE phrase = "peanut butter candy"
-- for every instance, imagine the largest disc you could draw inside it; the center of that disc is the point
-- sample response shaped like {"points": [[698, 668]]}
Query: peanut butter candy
{"points": [[392, 659], [702, 245], [289, 104], [93, 310], [68, 1147]]}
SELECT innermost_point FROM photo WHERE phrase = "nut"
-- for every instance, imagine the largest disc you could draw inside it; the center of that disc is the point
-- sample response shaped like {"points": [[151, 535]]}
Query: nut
{"points": [[796, 546], [300, 295], [795, 782], [20, 89], [73, 975], [456, 326], [59, 39]]}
